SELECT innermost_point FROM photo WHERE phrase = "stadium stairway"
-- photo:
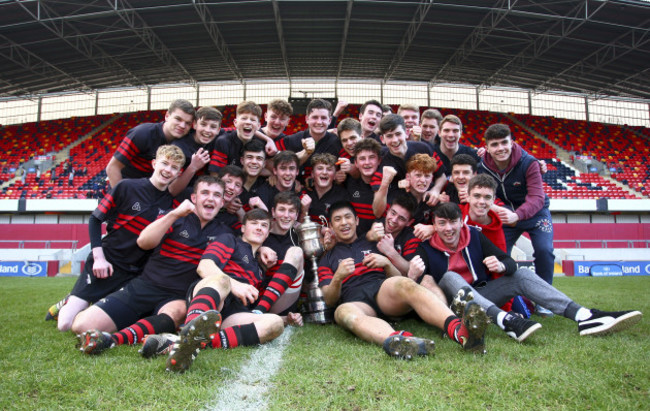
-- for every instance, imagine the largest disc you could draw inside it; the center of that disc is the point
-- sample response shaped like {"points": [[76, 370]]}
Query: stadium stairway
{"points": [[565, 156], [62, 155]]}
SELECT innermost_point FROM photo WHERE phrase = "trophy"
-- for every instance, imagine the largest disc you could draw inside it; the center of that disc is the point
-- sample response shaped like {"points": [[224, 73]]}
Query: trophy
{"points": [[308, 235]]}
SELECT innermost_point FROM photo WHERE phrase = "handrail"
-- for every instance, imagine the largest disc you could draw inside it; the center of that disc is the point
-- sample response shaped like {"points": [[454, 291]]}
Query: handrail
{"points": [[48, 243]]}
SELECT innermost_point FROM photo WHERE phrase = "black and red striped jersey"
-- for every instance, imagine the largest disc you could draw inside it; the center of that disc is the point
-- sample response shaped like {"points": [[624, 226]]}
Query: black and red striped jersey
{"points": [[173, 263], [235, 257], [280, 243], [330, 143], [399, 164], [190, 146], [360, 195], [321, 206], [246, 195], [229, 220], [227, 151], [329, 263], [127, 209], [138, 148], [406, 243]]}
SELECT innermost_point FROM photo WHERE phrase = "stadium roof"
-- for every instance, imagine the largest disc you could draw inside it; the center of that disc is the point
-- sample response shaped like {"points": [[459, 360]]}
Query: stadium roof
{"points": [[589, 46]]}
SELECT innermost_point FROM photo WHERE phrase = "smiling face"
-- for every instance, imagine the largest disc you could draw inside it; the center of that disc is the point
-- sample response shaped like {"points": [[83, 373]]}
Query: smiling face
{"points": [[480, 201], [284, 216], [234, 187], [246, 124], [318, 120], [450, 135], [397, 218], [411, 117], [254, 232], [370, 118], [208, 200], [276, 123], [367, 162], [344, 224], [177, 124], [323, 175], [206, 130], [349, 139], [286, 174], [395, 140], [253, 163], [419, 181], [429, 129], [165, 171], [448, 230], [500, 150], [460, 176]]}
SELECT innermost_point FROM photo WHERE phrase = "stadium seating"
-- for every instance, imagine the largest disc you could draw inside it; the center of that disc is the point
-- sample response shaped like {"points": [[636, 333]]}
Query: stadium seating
{"points": [[621, 148], [625, 153]]}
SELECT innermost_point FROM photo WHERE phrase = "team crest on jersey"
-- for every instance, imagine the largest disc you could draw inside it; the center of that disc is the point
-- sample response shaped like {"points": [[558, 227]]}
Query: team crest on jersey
{"points": [[545, 225], [427, 214], [366, 252], [184, 234], [245, 258], [356, 194], [136, 207], [161, 211], [327, 207], [211, 238], [516, 184]]}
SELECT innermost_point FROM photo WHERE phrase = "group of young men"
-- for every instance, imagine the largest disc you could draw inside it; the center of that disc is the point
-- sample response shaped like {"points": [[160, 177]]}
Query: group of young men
{"points": [[201, 250]]}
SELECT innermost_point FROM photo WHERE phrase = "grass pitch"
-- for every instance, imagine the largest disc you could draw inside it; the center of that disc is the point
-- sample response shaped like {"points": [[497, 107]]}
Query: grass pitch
{"points": [[326, 368]]}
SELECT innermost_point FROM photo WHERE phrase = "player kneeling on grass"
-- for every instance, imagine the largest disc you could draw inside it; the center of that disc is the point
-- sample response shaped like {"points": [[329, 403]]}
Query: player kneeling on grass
{"points": [[229, 290], [154, 302], [369, 289], [457, 256]]}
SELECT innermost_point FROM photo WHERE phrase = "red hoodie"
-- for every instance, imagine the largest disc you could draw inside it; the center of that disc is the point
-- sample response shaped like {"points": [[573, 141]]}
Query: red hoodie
{"points": [[493, 231], [456, 261]]}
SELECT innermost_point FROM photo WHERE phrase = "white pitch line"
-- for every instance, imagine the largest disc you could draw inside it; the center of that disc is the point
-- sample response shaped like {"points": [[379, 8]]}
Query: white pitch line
{"points": [[248, 390]]}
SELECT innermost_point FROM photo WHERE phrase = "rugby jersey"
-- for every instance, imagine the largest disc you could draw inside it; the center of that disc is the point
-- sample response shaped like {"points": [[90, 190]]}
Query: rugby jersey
{"points": [[127, 209], [138, 148], [235, 257]]}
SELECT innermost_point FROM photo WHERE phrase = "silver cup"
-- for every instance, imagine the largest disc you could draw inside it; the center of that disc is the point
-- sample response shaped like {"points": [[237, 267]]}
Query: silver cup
{"points": [[316, 311]]}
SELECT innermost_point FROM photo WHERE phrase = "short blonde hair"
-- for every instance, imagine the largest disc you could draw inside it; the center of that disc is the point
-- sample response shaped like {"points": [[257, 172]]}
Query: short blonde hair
{"points": [[172, 153]]}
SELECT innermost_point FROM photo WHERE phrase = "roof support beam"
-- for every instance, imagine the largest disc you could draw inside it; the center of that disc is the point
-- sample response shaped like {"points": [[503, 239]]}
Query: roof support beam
{"points": [[544, 42], [474, 40], [280, 30], [630, 41], [150, 39], [83, 45], [33, 63], [211, 26], [411, 31], [344, 38]]}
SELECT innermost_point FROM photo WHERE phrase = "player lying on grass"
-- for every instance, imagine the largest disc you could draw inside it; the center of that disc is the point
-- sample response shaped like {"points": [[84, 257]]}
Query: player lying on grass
{"points": [[230, 290], [116, 259], [368, 289], [458, 256], [154, 302]]}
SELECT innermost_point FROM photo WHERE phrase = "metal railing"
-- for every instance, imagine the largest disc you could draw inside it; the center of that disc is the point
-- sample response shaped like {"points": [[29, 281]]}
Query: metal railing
{"points": [[67, 244]]}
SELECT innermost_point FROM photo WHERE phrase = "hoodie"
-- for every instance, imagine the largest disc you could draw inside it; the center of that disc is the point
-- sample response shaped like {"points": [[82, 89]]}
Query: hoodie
{"points": [[520, 184]]}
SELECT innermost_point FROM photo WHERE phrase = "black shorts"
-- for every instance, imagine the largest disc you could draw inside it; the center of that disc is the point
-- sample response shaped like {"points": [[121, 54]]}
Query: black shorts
{"points": [[231, 305], [365, 294], [136, 300], [91, 289]]}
